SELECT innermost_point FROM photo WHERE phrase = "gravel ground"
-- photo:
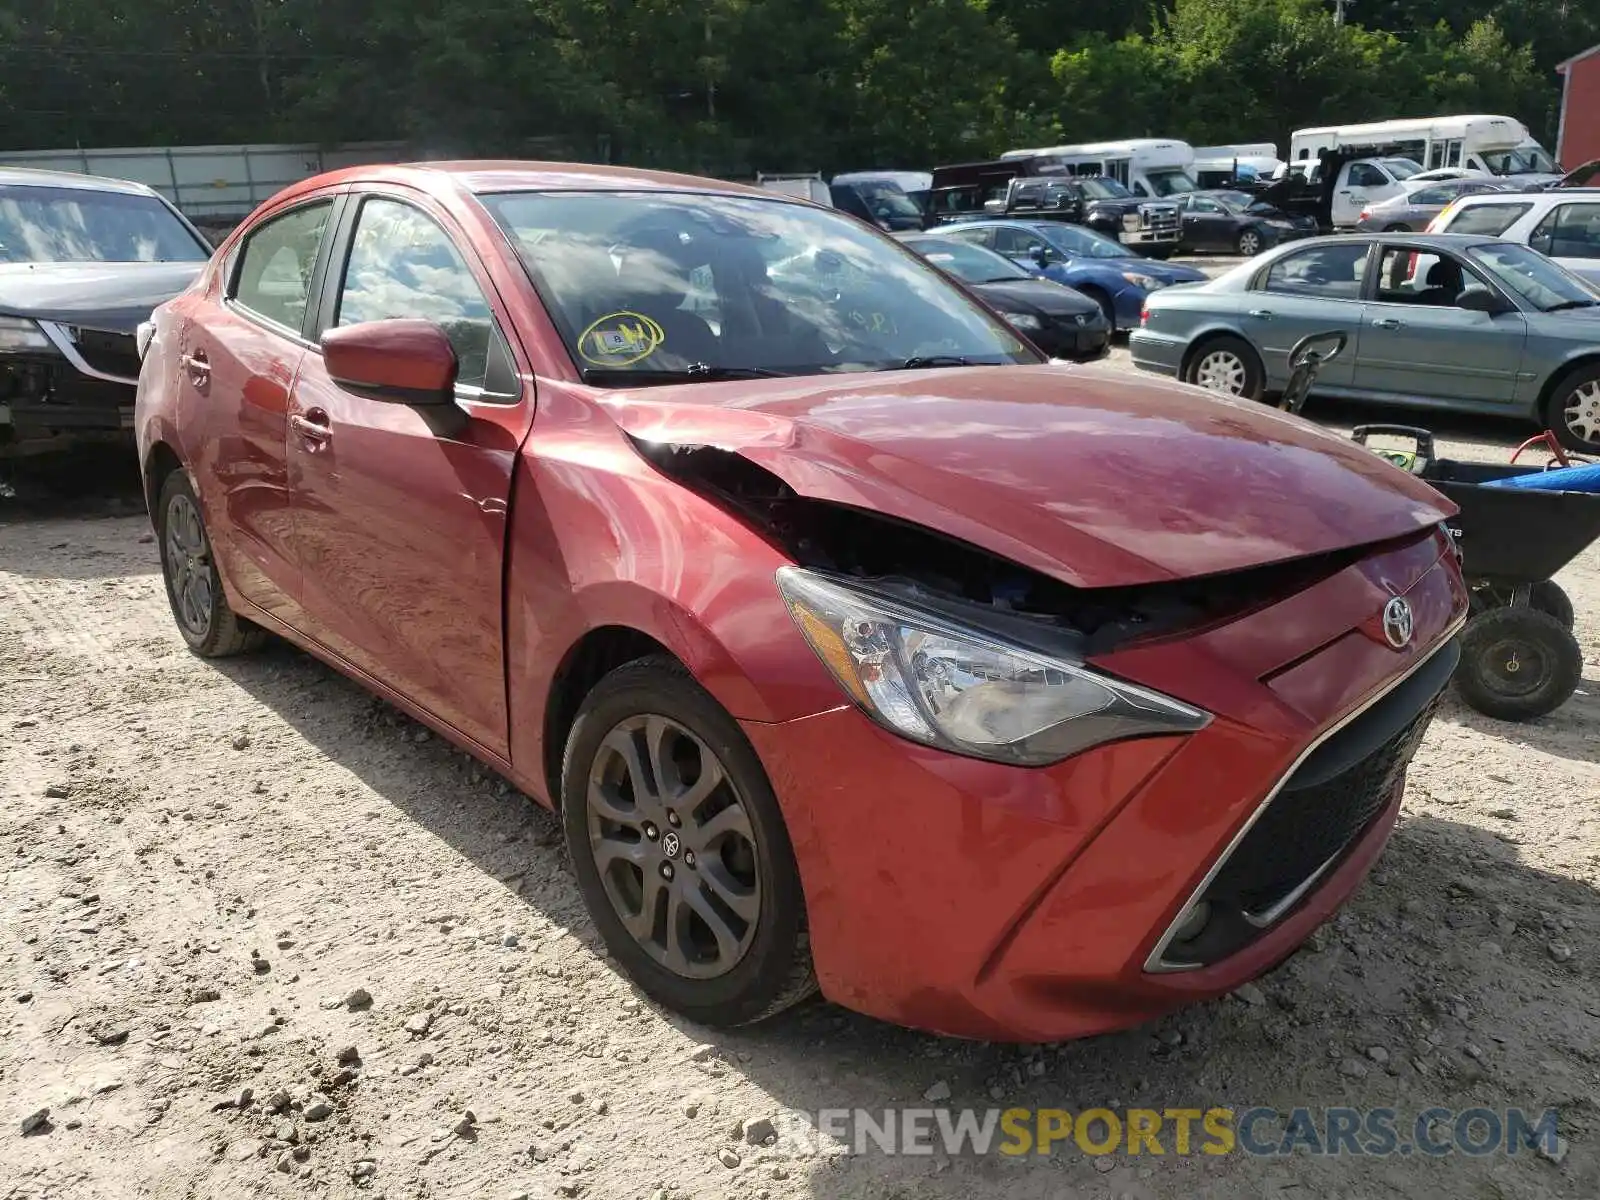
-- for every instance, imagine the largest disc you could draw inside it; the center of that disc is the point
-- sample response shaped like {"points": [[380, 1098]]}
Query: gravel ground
{"points": [[262, 936]]}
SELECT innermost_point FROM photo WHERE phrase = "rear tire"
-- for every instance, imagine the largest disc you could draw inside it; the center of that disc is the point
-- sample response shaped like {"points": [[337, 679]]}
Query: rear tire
{"points": [[1402, 227], [1550, 597], [723, 953], [1572, 412], [194, 583], [1517, 664], [1228, 365]]}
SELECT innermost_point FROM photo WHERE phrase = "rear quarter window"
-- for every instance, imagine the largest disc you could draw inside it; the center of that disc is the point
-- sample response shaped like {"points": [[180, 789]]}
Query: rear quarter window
{"points": [[1485, 220]]}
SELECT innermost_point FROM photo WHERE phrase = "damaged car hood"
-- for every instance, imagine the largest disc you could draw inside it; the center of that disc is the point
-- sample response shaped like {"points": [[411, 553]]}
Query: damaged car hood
{"points": [[100, 295], [1093, 477]]}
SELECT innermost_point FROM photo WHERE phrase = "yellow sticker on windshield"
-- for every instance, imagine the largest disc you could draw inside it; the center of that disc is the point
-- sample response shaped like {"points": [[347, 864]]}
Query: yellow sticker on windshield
{"points": [[620, 339]]}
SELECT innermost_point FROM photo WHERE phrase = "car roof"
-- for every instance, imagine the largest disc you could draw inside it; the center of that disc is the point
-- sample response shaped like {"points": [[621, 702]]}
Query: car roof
{"points": [[1437, 241], [1500, 197], [510, 175], [31, 177]]}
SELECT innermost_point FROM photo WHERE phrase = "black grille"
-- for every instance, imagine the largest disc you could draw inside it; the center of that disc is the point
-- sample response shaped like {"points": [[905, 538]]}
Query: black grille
{"points": [[114, 353], [1326, 805], [1161, 219], [1307, 824]]}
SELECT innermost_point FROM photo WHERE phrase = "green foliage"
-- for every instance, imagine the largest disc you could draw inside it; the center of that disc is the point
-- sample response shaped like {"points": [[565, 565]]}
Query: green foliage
{"points": [[734, 86]]}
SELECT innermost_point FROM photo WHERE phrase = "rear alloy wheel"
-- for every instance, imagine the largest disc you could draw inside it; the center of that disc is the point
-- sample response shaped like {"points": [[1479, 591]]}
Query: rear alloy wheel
{"points": [[680, 850], [194, 585], [1517, 664], [1227, 365], [1575, 411], [1249, 243]]}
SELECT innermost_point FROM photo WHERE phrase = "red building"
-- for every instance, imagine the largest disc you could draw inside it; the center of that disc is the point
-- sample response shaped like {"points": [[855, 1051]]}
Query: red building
{"points": [[1579, 139]]}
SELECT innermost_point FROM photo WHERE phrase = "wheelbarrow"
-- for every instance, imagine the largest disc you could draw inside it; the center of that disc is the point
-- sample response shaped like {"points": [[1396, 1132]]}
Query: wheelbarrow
{"points": [[1519, 658]]}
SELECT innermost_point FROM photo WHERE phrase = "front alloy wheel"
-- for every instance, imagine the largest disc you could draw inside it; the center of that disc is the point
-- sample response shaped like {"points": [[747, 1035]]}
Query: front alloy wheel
{"points": [[671, 838], [680, 849], [1249, 243]]}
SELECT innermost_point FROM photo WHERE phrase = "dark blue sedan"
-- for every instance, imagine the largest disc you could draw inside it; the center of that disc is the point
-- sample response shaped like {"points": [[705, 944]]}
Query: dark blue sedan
{"points": [[1115, 278]]}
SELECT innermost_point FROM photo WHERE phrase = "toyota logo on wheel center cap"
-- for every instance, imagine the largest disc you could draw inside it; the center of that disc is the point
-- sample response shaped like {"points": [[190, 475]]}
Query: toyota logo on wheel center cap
{"points": [[670, 844], [1397, 622]]}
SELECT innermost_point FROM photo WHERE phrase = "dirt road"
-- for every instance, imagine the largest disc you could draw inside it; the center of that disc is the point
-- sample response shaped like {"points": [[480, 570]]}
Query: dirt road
{"points": [[260, 936]]}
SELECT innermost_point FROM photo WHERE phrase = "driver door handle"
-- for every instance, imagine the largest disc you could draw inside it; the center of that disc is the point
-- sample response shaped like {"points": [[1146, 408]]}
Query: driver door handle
{"points": [[1388, 323], [312, 425], [1261, 314]]}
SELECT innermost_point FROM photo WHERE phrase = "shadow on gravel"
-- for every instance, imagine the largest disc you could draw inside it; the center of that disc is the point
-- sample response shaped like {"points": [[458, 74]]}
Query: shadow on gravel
{"points": [[1446, 961], [89, 481], [1571, 732]]}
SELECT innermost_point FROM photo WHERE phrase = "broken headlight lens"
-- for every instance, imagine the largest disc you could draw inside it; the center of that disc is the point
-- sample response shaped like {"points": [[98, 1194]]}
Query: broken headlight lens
{"points": [[19, 333], [964, 690]]}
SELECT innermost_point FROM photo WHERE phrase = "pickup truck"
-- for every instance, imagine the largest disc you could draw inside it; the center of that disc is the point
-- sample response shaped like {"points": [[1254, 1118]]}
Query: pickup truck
{"points": [[999, 189], [1337, 187]]}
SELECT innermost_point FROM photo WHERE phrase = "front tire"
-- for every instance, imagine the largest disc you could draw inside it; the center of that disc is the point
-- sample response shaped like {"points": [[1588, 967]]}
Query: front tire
{"points": [[194, 584], [680, 850], [1573, 410], [1517, 664], [1228, 365], [1249, 244], [1106, 307], [1400, 227]]}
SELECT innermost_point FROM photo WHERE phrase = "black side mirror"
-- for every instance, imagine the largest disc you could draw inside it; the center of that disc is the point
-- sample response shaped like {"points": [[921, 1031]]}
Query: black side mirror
{"points": [[1040, 255], [1478, 298]]}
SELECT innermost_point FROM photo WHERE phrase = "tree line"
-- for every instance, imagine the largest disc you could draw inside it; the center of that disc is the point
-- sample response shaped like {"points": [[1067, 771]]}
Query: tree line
{"points": [[735, 86]]}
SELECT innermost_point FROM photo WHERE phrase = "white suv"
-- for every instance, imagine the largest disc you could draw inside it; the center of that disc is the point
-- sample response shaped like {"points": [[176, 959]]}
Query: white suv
{"points": [[1563, 223]]}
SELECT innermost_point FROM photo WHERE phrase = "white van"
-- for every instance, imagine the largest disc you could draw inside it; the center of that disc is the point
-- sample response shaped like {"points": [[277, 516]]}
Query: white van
{"points": [[1497, 145], [1147, 167], [1219, 166]]}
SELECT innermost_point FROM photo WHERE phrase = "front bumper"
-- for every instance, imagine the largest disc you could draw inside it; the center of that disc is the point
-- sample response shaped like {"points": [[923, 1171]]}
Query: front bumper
{"points": [[87, 381], [981, 900], [1063, 337]]}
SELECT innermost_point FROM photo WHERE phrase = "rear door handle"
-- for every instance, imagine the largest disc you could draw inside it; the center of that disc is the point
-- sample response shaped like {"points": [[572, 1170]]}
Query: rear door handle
{"points": [[312, 425], [1261, 314], [1388, 323]]}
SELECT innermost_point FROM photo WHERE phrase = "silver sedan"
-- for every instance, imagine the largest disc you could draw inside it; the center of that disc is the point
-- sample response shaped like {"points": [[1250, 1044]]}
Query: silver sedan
{"points": [[1432, 320], [1414, 209]]}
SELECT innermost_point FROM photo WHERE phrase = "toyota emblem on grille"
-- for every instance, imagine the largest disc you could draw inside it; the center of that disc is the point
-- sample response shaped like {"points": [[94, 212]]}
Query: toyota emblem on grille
{"points": [[670, 845], [1397, 622]]}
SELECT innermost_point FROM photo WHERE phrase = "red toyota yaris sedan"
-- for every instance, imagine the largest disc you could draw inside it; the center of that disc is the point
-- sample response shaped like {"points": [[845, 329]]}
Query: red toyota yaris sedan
{"points": [[859, 647]]}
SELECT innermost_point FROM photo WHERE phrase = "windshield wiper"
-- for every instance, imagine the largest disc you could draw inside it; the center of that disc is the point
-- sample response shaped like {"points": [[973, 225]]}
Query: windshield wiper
{"points": [[935, 360], [694, 372], [1566, 304]]}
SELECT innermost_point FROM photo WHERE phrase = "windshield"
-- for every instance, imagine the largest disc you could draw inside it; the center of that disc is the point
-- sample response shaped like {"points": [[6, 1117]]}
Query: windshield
{"points": [[1104, 189], [973, 264], [645, 287], [1402, 168], [1171, 183], [887, 196], [1076, 242], [1527, 160], [67, 224], [1544, 284]]}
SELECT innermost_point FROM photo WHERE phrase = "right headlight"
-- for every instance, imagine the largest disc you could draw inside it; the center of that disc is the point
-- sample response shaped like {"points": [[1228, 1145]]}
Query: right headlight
{"points": [[1148, 282], [19, 333], [931, 680]]}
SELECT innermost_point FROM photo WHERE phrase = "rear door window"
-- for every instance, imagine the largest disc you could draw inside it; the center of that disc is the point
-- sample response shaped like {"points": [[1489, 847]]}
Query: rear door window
{"points": [[1485, 220], [275, 263], [1325, 272], [1569, 231]]}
